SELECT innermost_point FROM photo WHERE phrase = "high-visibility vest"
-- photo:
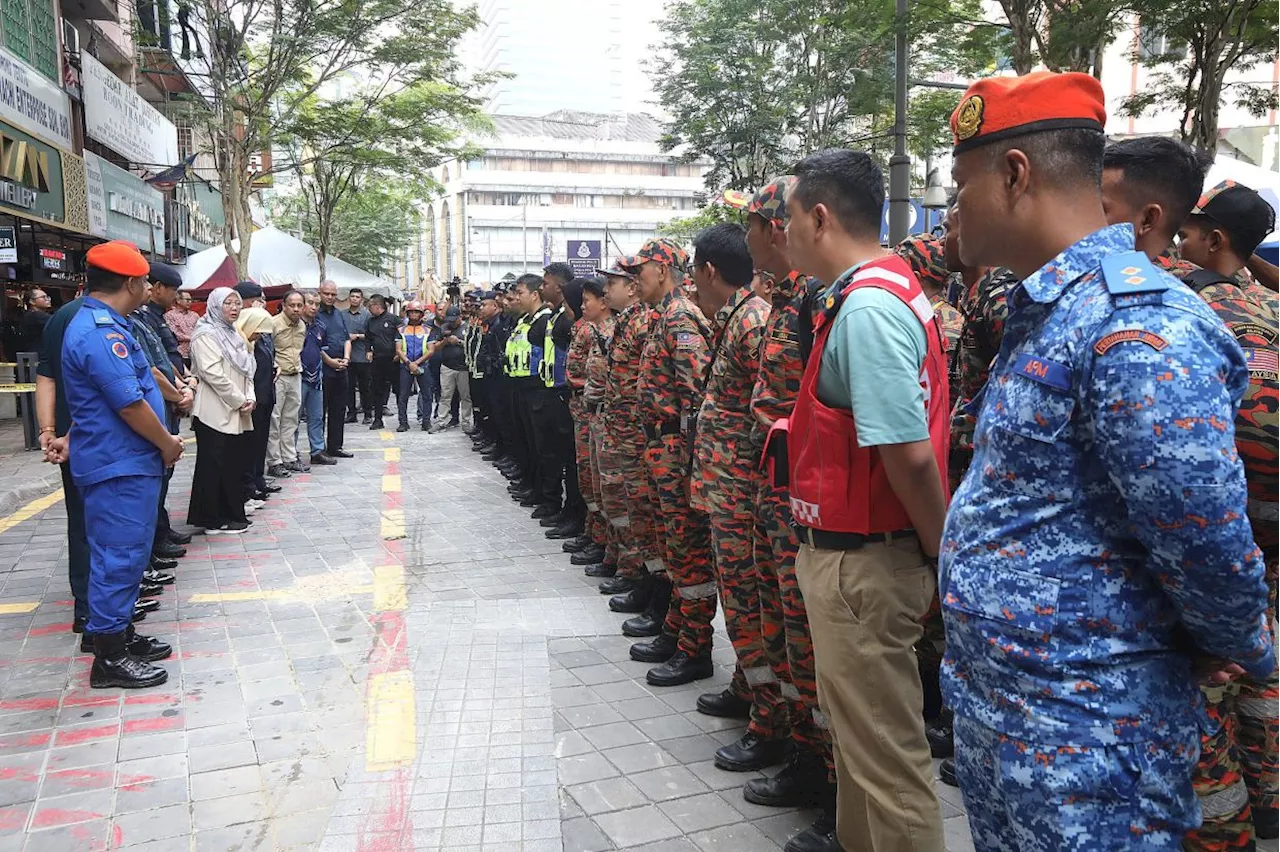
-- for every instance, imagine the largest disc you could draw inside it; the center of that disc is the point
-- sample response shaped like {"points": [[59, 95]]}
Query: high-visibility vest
{"points": [[524, 359], [554, 368]]}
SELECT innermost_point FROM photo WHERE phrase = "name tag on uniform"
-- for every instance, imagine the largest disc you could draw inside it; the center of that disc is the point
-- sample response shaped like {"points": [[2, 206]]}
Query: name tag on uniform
{"points": [[1044, 371]]}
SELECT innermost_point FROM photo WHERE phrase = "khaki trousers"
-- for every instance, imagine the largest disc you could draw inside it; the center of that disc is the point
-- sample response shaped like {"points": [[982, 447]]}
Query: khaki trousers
{"points": [[864, 611], [284, 420]]}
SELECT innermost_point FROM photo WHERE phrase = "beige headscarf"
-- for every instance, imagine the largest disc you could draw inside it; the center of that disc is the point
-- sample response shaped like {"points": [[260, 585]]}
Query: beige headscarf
{"points": [[253, 320]]}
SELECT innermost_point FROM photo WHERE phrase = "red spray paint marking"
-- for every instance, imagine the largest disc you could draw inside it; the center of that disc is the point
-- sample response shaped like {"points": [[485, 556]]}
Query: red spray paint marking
{"points": [[84, 735], [160, 723], [53, 817], [47, 630], [392, 501], [12, 818], [389, 826], [390, 651], [28, 704], [151, 698], [87, 698]]}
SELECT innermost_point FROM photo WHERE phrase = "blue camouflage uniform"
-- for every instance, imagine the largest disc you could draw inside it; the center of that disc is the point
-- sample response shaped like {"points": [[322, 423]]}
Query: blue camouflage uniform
{"points": [[105, 369], [1098, 540]]}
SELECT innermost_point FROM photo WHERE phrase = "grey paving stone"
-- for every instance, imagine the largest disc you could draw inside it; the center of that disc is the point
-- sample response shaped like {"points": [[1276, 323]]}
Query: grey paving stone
{"points": [[636, 826], [173, 821], [668, 782], [700, 812], [611, 794], [734, 838]]}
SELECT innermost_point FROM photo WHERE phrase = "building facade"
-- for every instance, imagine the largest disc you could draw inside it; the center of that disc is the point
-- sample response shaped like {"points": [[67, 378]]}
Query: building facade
{"points": [[543, 188]]}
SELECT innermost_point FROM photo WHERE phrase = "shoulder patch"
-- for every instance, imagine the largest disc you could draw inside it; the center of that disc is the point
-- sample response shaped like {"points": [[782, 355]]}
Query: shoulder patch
{"points": [[113, 335], [1131, 272], [686, 340], [1263, 363], [1044, 371], [101, 317], [119, 349], [1135, 335]]}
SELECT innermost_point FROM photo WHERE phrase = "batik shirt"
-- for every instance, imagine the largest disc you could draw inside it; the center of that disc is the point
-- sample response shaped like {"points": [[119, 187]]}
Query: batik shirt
{"points": [[1100, 534]]}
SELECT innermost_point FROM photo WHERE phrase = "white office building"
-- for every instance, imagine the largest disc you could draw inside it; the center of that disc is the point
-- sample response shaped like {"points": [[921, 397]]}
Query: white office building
{"points": [[542, 184]]}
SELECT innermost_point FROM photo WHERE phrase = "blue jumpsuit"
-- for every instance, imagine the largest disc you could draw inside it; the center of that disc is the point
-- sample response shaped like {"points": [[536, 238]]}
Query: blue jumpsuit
{"points": [[1097, 542], [118, 471]]}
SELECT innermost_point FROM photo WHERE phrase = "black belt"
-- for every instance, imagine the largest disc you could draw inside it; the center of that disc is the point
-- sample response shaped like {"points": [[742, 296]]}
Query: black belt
{"points": [[653, 431], [824, 540]]}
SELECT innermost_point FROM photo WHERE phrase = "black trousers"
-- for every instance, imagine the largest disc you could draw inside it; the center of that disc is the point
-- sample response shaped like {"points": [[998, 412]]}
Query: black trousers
{"points": [[360, 377], [77, 544], [526, 451], [255, 471], [503, 414], [385, 377], [553, 436], [217, 486], [335, 407], [162, 512]]}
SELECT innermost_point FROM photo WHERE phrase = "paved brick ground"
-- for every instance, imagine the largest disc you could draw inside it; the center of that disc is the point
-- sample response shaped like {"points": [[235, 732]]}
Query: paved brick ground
{"points": [[394, 658]]}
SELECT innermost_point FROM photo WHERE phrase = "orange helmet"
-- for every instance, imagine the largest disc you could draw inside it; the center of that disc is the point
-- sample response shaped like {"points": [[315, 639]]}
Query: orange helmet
{"points": [[415, 305]]}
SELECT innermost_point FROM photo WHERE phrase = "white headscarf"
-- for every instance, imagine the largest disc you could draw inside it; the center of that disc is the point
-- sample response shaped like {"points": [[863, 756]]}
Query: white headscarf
{"points": [[229, 341]]}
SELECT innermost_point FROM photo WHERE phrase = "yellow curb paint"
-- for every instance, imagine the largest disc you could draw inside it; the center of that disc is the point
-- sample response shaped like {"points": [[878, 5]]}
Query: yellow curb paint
{"points": [[387, 436], [309, 596], [393, 523], [392, 738], [390, 483], [29, 511], [18, 608], [388, 588], [391, 454]]}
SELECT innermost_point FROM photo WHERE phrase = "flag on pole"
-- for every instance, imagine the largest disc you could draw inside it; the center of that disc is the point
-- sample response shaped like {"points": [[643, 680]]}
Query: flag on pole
{"points": [[172, 176]]}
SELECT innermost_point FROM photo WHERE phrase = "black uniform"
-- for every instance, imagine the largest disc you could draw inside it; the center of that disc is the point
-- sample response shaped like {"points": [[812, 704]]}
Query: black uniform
{"points": [[381, 334]]}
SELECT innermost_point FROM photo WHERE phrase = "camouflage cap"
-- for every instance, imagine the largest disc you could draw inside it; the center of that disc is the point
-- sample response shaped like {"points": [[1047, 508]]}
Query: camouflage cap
{"points": [[615, 271], [925, 255], [769, 201], [659, 250]]}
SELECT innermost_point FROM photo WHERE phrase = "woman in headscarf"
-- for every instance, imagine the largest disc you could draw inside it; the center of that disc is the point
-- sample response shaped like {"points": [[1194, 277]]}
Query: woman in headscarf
{"points": [[222, 416], [255, 326]]}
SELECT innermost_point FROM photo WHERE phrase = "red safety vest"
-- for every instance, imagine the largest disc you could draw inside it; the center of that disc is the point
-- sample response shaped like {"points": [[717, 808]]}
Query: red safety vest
{"points": [[836, 485]]}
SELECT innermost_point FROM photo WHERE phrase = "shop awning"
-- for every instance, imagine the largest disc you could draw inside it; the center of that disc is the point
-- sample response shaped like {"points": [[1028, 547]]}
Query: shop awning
{"points": [[279, 262]]}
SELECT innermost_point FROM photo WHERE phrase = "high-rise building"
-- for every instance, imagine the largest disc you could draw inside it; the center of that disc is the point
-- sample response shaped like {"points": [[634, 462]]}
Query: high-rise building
{"points": [[587, 55]]}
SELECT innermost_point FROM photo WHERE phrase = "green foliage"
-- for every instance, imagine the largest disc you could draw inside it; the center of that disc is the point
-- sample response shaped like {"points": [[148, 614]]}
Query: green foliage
{"points": [[1205, 40], [684, 229], [367, 228]]}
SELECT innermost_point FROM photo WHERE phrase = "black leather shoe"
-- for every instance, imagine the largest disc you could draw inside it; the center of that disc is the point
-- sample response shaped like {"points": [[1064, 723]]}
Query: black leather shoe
{"points": [[339, 454], [146, 605], [589, 555], [601, 571], [321, 459], [166, 550], [801, 783], [179, 538], [552, 520], [942, 742], [114, 665], [752, 753], [143, 647], [577, 544], [545, 510], [571, 528], [403, 427], [724, 704], [530, 502], [642, 625], [819, 837], [618, 586], [77, 624], [163, 564], [636, 600], [272, 489], [150, 590], [376, 425], [947, 772], [162, 578], [659, 649], [681, 669]]}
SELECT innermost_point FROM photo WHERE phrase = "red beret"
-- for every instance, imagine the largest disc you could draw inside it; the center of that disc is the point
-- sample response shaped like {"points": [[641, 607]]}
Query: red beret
{"points": [[120, 257], [996, 108]]}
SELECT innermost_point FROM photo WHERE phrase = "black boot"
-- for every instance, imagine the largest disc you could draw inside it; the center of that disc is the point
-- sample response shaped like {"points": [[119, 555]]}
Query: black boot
{"points": [[801, 783], [544, 510], [724, 704], [143, 647], [179, 537], [642, 625], [571, 528], [576, 545], [657, 650], [603, 571], [681, 669], [635, 600], [649, 622], [551, 521], [589, 555], [819, 837], [168, 550], [618, 585], [947, 772], [941, 738], [752, 753], [114, 665]]}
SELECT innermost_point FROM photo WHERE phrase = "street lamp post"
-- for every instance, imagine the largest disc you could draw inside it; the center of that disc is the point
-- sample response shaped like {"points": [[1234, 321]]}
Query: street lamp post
{"points": [[900, 163]]}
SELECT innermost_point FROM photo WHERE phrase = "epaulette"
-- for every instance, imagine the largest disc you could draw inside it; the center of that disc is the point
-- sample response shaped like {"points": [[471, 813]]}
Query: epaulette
{"points": [[1130, 274], [101, 317]]}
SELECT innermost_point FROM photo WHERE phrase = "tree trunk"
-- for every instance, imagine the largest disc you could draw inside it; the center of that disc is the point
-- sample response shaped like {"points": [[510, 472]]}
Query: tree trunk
{"points": [[1024, 34]]}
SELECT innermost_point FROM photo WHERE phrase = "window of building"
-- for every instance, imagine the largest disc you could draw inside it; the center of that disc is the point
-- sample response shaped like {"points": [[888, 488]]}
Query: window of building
{"points": [[564, 198], [1154, 44], [29, 30], [186, 141]]}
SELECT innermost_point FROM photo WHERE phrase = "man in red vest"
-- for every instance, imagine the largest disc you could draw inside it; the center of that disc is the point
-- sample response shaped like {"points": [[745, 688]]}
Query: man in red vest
{"points": [[868, 447]]}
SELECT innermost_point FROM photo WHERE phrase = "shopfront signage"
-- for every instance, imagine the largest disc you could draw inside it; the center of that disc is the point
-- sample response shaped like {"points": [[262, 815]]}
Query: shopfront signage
{"points": [[8, 245], [31, 102], [30, 176], [202, 206], [122, 206], [53, 260], [119, 118]]}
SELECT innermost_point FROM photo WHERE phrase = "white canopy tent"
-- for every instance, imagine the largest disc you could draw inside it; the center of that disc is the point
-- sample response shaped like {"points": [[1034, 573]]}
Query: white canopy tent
{"points": [[279, 259]]}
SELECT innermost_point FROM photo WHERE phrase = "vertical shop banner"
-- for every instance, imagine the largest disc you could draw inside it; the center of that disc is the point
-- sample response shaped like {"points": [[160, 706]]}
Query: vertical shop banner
{"points": [[97, 196], [584, 257], [119, 118], [8, 245], [33, 103], [130, 208]]}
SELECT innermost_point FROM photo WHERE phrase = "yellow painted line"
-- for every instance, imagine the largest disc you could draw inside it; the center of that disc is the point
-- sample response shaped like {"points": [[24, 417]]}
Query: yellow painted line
{"points": [[392, 739], [388, 588], [387, 435], [230, 597], [30, 510], [390, 483], [18, 608], [391, 454], [363, 449], [309, 593], [393, 523]]}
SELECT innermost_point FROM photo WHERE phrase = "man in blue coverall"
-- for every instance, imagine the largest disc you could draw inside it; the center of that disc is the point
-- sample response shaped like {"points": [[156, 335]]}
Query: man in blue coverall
{"points": [[1097, 560], [119, 447]]}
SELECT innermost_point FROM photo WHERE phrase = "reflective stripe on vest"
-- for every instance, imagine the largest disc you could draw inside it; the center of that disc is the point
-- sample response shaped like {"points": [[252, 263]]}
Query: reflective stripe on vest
{"points": [[554, 368], [523, 358]]}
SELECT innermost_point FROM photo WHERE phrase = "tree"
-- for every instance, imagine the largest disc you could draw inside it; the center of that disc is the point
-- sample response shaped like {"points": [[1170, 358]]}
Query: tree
{"points": [[685, 228], [1190, 47], [368, 228], [269, 59], [1064, 35]]}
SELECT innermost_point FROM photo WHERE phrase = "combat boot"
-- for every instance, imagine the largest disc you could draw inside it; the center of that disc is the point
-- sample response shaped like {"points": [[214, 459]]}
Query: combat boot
{"points": [[657, 650], [947, 772], [819, 837], [752, 753], [114, 665], [544, 510], [635, 600], [801, 783], [553, 520], [570, 528], [618, 585], [681, 669], [724, 704], [143, 647], [941, 737], [649, 622], [168, 550], [603, 571], [180, 537], [589, 555], [576, 545]]}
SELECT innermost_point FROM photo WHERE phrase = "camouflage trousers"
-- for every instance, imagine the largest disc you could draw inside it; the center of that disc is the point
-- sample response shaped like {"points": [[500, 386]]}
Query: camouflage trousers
{"points": [[684, 536], [625, 499], [784, 624], [1237, 770], [1029, 797], [589, 477]]}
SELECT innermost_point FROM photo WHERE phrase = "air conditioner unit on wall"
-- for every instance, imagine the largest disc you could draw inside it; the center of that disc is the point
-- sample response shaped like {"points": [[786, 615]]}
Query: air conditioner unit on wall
{"points": [[70, 38]]}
